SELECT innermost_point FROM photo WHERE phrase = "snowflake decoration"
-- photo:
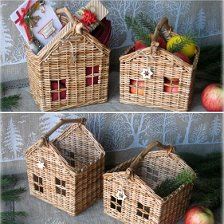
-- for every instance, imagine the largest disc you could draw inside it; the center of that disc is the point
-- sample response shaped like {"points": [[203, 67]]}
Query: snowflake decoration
{"points": [[121, 195], [146, 73], [40, 165]]}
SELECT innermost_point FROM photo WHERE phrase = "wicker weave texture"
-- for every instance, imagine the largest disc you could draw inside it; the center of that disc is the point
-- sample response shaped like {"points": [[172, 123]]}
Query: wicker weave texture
{"points": [[72, 177], [141, 204], [66, 59], [150, 92]]}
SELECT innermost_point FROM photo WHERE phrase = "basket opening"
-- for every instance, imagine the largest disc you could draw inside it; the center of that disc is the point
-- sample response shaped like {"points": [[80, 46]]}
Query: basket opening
{"points": [[115, 203], [58, 90], [142, 211], [77, 147], [171, 85], [154, 170]]}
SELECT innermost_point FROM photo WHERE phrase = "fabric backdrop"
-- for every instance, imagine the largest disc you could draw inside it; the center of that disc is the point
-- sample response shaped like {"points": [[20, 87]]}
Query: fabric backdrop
{"points": [[200, 18], [116, 132]]}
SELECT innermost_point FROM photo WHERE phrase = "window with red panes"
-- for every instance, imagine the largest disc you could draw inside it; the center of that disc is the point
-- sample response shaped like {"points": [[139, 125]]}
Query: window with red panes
{"points": [[92, 75], [137, 87], [171, 85], [58, 90]]}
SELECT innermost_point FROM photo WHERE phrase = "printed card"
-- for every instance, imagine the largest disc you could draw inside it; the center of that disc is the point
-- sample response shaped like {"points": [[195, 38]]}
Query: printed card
{"points": [[37, 18]]}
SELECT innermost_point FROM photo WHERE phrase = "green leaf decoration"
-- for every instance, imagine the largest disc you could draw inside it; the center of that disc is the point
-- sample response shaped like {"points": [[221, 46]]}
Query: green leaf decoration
{"points": [[183, 42], [10, 102]]}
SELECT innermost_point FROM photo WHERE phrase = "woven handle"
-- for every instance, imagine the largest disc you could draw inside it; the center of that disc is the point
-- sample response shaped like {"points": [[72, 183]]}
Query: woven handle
{"points": [[141, 156], [77, 27], [163, 23], [45, 138]]}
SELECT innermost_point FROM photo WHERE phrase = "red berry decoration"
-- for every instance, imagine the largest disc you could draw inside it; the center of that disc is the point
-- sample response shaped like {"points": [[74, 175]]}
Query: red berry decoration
{"points": [[88, 17]]}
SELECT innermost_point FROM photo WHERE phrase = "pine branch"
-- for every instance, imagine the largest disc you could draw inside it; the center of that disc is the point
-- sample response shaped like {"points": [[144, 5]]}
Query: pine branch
{"points": [[12, 195], [9, 217], [170, 185], [140, 32], [146, 22], [181, 43], [10, 101], [6, 181]]}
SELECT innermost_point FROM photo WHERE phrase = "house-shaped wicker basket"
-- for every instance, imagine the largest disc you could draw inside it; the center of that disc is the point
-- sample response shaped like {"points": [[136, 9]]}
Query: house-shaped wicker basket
{"points": [[164, 66], [71, 71], [67, 172], [129, 188]]}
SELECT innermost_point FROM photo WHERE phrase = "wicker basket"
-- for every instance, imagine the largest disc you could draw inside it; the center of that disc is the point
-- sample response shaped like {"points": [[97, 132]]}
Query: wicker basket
{"points": [[165, 66], [128, 189], [71, 71], [67, 172]]}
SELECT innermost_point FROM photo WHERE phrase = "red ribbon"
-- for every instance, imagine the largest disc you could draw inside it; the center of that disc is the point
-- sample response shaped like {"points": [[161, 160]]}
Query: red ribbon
{"points": [[21, 19]]}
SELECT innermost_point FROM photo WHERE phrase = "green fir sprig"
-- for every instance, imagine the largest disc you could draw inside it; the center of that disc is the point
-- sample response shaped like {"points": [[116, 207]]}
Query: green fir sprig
{"points": [[142, 26], [170, 185]]}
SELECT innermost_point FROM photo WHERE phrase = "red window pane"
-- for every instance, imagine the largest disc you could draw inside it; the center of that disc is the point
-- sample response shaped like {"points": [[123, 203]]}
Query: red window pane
{"points": [[54, 85], [92, 81], [54, 96]]}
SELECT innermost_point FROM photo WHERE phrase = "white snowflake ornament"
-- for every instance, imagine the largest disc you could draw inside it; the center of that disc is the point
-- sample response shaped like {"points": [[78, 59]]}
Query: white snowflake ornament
{"points": [[121, 195], [41, 165], [147, 73]]}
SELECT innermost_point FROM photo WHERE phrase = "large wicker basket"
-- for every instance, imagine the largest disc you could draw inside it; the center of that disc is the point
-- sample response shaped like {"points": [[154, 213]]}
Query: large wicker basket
{"points": [[71, 71], [164, 66], [67, 172], [128, 189]]}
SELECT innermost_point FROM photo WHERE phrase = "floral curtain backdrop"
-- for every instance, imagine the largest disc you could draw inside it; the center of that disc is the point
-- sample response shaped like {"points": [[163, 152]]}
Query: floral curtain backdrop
{"points": [[202, 19], [115, 132]]}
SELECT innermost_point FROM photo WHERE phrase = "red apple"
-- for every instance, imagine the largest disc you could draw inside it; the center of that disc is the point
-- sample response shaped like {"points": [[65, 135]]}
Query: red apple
{"points": [[199, 215], [162, 42], [183, 57], [213, 97], [139, 45], [171, 88]]}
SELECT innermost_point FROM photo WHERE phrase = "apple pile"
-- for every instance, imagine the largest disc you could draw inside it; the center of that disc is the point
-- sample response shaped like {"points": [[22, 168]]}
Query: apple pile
{"points": [[186, 51], [199, 215]]}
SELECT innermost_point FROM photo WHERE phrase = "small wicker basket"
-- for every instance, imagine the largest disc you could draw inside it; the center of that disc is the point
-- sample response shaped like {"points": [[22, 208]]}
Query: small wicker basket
{"points": [[169, 72], [71, 71], [128, 189], [67, 172]]}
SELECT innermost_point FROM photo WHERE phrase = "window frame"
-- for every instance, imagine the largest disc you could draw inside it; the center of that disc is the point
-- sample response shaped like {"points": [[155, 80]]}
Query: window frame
{"points": [[92, 75], [117, 204], [60, 187], [59, 90], [143, 211], [38, 183]]}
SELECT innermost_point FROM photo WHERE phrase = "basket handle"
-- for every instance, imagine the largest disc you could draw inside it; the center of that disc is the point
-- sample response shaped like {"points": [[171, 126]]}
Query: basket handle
{"points": [[141, 156], [164, 22], [78, 27], [45, 137]]}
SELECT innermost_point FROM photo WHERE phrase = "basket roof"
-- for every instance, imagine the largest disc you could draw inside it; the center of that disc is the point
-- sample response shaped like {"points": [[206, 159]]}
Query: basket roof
{"points": [[52, 146], [64, 34]]}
